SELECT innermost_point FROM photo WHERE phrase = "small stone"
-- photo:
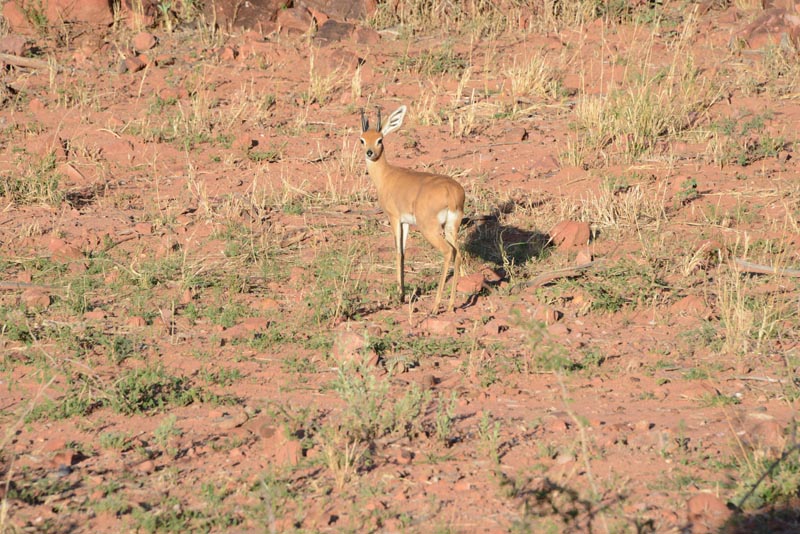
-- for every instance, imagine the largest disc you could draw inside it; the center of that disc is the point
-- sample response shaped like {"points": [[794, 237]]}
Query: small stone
{"points": [[568, 234], [232, 419], [583, 256], [15, 45], [348, 346], [64, 458], [557, 425], [294, 20], [706, 513], [515, 135], [143, 41], [61, 251], [366, 36], [333, 31], [428, 382], [439, 327], [97, 314], [136, 321], [471, 284], [36, 298], [134, 64], [404, 457], [227, 53], [148, 466]]}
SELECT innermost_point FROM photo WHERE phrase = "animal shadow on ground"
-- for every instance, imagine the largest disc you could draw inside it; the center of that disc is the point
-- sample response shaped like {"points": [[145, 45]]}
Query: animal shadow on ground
{"points": [[503, 245]]}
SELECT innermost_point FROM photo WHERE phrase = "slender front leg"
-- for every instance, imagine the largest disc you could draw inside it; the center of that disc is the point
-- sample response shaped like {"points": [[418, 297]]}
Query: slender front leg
{"points": [[400, 235]]}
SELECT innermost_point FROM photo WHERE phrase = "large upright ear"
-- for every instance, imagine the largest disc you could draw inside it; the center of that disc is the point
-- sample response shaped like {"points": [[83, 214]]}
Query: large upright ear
{"points": [[394, 121]]}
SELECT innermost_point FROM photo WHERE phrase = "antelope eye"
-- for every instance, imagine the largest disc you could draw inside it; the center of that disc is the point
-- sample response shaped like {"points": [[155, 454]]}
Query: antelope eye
{"points": [[362, 140], [380, 141]]}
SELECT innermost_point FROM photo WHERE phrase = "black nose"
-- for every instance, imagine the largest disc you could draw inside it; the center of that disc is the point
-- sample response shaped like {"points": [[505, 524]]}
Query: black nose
{"points": [[369, 153]]}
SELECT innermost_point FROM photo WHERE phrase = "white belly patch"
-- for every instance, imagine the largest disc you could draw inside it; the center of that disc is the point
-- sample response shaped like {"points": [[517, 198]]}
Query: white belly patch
{"points": [[408, 218]]}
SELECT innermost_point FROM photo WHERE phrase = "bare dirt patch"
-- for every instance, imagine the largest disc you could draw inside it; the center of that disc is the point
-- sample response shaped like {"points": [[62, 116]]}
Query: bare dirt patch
{"points": [[200, 321]]}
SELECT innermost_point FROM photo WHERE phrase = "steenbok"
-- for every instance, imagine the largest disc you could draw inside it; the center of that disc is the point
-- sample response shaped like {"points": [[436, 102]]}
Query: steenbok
{"points": [[432, 202]]}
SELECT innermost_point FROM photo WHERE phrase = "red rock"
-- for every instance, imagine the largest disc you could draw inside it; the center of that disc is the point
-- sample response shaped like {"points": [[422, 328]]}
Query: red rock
{"points": [[95, 315], [490, 275], [366, 36], [439, 326], [187, 296], [227, 53], [35, 298], [471, 284], [134, 64], [352, 346], [706, 513], [148, 466], [568, 234], [65, 458], [254, 324], [295, 20], [767, 435], [61, 251], [94, 12], [319, 17], [403, 456], [232, 418], [15, 45], [253, 14], [333, 31], [143, 41], [583, 256], [693, 306], [136, 321], [343, 9], [36, 105], [514, 135], [333, 60]]}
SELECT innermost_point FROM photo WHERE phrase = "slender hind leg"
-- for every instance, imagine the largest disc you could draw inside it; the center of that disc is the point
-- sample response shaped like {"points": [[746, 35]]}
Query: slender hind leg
{"points": [[434, 237], [451, 236]]}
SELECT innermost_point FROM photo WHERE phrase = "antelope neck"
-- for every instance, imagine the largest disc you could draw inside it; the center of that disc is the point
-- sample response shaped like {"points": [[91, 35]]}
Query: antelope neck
{"points": [[377, 168]]}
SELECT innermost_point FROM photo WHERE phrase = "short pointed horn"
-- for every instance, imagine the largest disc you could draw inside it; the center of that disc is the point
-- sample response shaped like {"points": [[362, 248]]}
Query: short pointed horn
{"points": [[364, 121], [379, 126]]}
